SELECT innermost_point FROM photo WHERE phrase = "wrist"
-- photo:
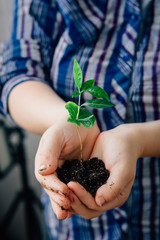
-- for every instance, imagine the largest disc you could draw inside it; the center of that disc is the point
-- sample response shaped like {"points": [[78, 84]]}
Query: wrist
{"points": [[134, 137], [148, 138]]}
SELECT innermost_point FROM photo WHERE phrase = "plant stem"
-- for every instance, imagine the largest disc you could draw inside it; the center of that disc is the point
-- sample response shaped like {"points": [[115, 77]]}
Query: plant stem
{"points": [[81, 145], [79, 105]]}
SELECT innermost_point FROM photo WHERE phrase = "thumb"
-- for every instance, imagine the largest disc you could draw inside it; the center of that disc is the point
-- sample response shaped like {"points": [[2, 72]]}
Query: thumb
{"points": [[115, 191], [107, 192], [48, 152]]}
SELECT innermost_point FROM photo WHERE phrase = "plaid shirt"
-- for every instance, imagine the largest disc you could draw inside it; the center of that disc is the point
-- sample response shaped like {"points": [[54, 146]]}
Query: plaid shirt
{"points": [[116, 42]]}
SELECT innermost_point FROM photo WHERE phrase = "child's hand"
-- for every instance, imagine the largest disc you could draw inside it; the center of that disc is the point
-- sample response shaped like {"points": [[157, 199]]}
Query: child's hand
{"points": [[59, 143], [119, 149]]}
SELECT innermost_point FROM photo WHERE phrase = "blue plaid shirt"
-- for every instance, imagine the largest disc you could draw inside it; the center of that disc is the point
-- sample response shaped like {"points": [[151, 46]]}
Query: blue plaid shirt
{"points": [[116, 42]]}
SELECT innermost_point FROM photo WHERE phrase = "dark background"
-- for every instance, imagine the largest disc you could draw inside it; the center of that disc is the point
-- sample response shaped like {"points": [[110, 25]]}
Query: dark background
{"points": [[11, 184]]}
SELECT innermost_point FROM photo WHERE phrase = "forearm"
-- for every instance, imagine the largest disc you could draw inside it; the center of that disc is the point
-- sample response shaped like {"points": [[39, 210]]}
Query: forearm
{"points": [[150, 138], [35, 106], [147, 138]]}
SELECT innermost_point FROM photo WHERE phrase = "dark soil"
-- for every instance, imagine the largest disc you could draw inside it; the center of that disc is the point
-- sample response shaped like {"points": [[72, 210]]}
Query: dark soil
{"points": [[91, 174]]}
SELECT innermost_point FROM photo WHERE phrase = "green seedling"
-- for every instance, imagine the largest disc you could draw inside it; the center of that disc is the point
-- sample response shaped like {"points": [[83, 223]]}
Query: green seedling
{"points": [[78, 113]]}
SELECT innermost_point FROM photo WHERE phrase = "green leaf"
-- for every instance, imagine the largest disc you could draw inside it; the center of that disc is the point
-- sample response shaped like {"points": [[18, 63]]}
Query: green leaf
{"points": [[77, 74], [88, 84], [98, 92], [98, 103], [75, 94], [84, 114], [72, 109], [86, 118], [71, 120]]}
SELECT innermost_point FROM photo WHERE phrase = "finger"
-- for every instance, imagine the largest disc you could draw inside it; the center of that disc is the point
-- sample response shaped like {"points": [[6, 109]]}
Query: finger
{"points": [[51, 182], [48, 152], [118, 201], [60, 199], [61, 214], [84, 196], [80, 209], [116, 190]]}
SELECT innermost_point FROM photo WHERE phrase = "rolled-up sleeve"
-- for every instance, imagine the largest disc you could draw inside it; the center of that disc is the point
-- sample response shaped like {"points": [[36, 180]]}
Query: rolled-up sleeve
{"points": [[27, 55]]}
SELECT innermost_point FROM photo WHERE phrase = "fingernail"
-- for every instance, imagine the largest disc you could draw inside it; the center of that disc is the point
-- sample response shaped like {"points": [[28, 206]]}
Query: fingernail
{"points": [[42, 167], [102, 201]]}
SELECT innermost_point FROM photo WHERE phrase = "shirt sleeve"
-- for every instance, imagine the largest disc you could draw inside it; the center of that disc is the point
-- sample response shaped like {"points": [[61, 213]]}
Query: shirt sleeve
{"points": [[27, 55]]}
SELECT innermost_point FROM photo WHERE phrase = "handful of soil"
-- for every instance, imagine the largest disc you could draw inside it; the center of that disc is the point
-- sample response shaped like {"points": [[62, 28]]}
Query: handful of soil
{"points": [[91, 174]]}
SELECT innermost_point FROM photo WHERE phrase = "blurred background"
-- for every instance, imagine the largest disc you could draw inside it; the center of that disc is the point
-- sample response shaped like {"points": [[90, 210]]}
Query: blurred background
{"points": [[21, 146]]}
